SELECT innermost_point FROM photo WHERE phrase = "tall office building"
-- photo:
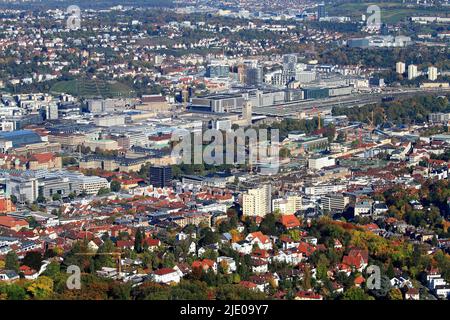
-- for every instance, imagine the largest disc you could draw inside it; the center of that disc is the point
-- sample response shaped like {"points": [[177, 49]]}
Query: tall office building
{"points": [[400, 67], [253, 76], [217, 70], [257, 202], [161, 176], [334, 202], [290, 65], [432, 73], [321, 13], [412, 72]]}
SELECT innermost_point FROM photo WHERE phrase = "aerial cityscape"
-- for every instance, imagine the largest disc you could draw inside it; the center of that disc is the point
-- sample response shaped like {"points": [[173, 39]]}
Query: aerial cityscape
{"points": [[224, 150]]}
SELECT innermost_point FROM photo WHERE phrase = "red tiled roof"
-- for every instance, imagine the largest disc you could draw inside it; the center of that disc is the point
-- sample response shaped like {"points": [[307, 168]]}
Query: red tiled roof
{"points": [[204, 264], [359, 280], [306, 248], [308, 295], [10, 222], [152, 242], [124, 244], [42, 157], [248, 284], [260, 236], [289, 221], [164, 271]]}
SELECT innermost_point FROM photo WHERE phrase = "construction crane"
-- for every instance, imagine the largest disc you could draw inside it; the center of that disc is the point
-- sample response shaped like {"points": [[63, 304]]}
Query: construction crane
{"points": [[117, 255]]}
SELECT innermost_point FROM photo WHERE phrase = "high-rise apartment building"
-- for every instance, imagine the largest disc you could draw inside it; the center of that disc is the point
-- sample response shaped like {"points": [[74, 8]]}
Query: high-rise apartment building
{"points": [[257, 202], [288, 205], [321, 13], [432, 73], [400, 67], [412, 72]]}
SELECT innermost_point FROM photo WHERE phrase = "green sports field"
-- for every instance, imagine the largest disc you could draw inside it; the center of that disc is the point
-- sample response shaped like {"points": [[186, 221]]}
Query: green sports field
{"points": [[90, 88]]}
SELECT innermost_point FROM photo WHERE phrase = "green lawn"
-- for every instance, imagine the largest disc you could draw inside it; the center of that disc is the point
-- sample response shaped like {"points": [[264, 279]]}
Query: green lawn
{"points": [[90, 88]]}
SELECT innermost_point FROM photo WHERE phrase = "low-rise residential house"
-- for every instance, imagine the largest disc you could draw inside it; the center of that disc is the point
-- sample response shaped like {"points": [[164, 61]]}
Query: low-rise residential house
{"points": [[261, 240], [306, 249], [212, 247], [124, 244], [357, 259], [259, 266], [243, 247], [412, 294], [152, 244], [363, 207], [205, 265], [289, 221], [261, 254], [287, 242], [166, 275], [289, 256], [28, 272], [227, 263], [251, 286], [307, 295], [8, 275], [182, 269], [311, 240], [337, 288], [337, 244], [379, 208]]}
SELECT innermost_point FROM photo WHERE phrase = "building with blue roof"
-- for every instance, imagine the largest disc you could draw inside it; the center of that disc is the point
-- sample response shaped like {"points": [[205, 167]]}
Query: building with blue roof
{"points": [[20, 138]]}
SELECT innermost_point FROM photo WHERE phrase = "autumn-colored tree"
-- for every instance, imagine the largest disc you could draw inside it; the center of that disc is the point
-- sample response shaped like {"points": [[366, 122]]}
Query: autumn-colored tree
{"points": [[41, 288], [395, 294]]}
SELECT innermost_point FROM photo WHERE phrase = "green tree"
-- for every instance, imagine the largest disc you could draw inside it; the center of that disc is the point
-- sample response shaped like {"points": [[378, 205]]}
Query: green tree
{"points": [[40, 199], [115, 186], [13, 291], [56, 197], [12, 261], [103, 191], [138, 240], [209, 237], [395, 294], [33, 259], [105, 260], [269, 225], [356, 293]]}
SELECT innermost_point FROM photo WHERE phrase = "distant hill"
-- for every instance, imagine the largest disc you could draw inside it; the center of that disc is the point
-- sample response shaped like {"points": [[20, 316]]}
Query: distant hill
{"points": [[84, 4]]}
